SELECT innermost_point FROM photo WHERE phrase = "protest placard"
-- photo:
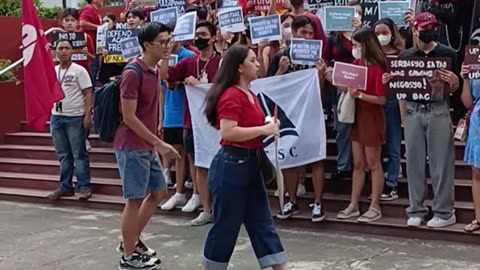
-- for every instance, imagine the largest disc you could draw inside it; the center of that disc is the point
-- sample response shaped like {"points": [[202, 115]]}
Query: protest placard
{"points": [[185, 27], [305, 52], [472, 60], [370, 13], [173, 60], [226, 3], [339, 18], [166, 16], [231, 20], [264, 5], [113, 46], [78, 43], [265, 28], [130, 48], [349, 75], [180, 5], [417, 79], [119, 26], [101, 38], [394, 10], [314, 5]]}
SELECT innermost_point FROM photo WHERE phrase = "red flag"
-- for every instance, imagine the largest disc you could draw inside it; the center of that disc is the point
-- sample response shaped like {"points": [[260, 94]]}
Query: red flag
{"points": [[42, 89]]}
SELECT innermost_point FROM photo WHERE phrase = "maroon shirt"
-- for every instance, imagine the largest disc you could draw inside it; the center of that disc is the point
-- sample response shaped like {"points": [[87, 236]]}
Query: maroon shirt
{"points": [[147, 97], [188, 67], [90, 14]]}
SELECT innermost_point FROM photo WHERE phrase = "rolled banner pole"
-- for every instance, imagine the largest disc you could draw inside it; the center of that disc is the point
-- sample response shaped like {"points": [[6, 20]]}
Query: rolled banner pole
{"points": [[278, 171]]}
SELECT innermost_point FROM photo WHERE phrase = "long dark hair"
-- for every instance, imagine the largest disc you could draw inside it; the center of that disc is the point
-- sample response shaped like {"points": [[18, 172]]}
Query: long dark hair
{"points": [[371, 49], [227, 75], [397, 43]]}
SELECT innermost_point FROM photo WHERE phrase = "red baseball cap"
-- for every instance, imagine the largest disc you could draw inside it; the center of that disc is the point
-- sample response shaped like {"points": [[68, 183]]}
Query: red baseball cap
{"points": [[425, 19]]}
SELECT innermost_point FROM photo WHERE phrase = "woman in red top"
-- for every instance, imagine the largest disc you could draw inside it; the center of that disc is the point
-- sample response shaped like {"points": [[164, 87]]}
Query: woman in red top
{"points": [[234, 178], [368, 130]]}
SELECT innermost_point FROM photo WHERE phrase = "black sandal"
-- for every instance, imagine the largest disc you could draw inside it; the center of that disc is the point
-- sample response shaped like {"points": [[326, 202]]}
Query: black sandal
{"points": [[472, 227]]}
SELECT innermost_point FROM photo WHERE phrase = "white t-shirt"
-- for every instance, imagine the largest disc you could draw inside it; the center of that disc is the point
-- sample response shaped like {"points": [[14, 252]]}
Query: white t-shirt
{"points": [[73, 80]]}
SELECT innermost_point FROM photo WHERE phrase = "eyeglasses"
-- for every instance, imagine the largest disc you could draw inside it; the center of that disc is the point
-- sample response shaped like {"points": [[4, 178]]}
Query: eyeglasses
{"points": [[165, 43]]}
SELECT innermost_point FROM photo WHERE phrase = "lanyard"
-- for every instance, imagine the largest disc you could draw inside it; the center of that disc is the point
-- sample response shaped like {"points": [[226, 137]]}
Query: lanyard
{"points": [[63, 77], [204, 69]]}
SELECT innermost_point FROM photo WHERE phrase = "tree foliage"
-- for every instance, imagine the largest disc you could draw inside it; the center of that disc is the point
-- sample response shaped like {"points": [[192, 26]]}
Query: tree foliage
{"points": [[14, 8]]}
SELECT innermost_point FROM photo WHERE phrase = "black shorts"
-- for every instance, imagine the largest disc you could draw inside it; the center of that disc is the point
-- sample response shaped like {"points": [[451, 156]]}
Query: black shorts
{"points": [[173, 136], [188, 141]]}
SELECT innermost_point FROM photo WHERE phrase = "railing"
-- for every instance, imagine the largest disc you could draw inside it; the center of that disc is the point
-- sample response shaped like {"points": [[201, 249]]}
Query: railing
{"points": [[20, 61]]}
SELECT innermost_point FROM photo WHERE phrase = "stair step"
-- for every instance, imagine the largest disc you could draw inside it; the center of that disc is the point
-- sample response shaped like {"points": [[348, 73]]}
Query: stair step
{"points": [[96, 154], [44, 138], [19, 165], [386, 226]]}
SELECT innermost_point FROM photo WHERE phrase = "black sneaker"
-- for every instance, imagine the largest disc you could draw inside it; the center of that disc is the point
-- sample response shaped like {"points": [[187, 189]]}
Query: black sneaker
{"points": [[141, 248], [317, 212], [289, 209], [389, 194], [85, 193], [137, 262]]}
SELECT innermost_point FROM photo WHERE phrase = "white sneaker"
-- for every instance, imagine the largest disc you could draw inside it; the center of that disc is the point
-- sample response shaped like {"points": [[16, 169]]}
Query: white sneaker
{"points": [[192, 204], [166, 175], [176, 200], [301, 190], [276, 194], [414, 222], [202, 219], [440, 223], [88, 145]]}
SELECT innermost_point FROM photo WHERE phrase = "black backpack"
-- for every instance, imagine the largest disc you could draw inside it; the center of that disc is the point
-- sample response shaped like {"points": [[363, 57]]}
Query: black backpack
{"points": [[106, 106]]}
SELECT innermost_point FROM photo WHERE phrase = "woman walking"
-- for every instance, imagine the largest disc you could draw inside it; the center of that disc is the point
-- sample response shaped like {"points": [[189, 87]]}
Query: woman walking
{"points": [[239, 193]]}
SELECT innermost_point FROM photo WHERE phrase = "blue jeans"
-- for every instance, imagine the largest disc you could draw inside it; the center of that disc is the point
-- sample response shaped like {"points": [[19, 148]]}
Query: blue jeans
{"points": [[240, 196], [392, 147], [141, 173], [69, 136]]}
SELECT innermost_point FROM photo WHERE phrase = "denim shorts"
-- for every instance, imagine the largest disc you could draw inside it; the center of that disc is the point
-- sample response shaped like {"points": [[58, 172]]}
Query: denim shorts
{"points": [[141, 173]]}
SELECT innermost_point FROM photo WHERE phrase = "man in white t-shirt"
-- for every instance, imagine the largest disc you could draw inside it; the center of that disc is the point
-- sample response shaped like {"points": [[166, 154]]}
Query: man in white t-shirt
{"points": [[69, 123]]}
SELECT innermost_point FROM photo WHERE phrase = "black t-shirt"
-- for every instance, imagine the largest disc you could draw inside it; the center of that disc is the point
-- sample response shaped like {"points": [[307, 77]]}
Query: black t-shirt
{"points": [[440, 51]]}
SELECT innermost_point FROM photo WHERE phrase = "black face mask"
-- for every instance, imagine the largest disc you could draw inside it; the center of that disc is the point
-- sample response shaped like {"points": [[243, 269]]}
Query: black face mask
{"points": [[201, 43], [427, 36]]}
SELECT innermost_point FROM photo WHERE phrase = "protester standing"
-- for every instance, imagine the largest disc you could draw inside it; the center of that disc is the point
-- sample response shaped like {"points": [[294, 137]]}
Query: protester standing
{"points": [[239, 193]]}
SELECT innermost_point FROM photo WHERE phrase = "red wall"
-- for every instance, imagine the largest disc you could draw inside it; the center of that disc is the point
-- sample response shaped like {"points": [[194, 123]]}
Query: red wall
{"points": [[12, 107]]}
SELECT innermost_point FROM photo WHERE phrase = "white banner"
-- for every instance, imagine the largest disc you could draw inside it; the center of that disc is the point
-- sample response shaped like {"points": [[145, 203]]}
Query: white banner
{"points": [[302, 125]]}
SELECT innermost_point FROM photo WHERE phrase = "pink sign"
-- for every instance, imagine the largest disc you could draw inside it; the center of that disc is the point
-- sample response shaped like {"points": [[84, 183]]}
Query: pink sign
{"points": [[349, 75]]}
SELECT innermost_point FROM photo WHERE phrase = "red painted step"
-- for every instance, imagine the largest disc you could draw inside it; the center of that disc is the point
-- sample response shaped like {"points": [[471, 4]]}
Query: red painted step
{"points": [[43, 138], [45, 152]]}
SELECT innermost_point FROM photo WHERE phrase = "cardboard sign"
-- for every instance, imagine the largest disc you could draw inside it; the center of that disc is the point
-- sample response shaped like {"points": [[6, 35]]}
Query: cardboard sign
{"points": [[395, 10], [101, 38], [305, 52], [130, 48], [231, 20], [77, 39], [265, 28], [113, 47], [370, 13], [472, 60], [166, 16], [349, 75], [263, 5], [180, 5], [339, 18], [313, 5], [417, 79], [185, 27]]}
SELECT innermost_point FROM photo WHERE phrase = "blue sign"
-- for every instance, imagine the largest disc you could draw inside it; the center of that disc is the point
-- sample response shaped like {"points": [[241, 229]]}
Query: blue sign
{"points": [[173, 60], [185, 27], [395, 10], [339, 18], [265, 28], [166, 16], [231, 20], [227, 3], [130, 48], [314, 5], [305, 51], [113, 47], [180, 5]]}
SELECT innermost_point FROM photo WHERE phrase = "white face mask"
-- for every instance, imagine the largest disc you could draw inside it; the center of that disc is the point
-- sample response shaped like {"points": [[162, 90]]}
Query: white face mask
{"points": [[384, 39], [287, 33], [357, 53]]}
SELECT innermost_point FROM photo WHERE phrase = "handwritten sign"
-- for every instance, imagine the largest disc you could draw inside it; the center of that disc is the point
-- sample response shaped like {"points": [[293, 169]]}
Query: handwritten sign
{"points": [[113, 47], [101, 38], [349, 75], [395, 10], [305, 52], [231, 20], [180, 5], [130, 48], [265, 28], [263, 5], [185, 27], [472, 60], [416, 79], [166, 16], [339, 18]]}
